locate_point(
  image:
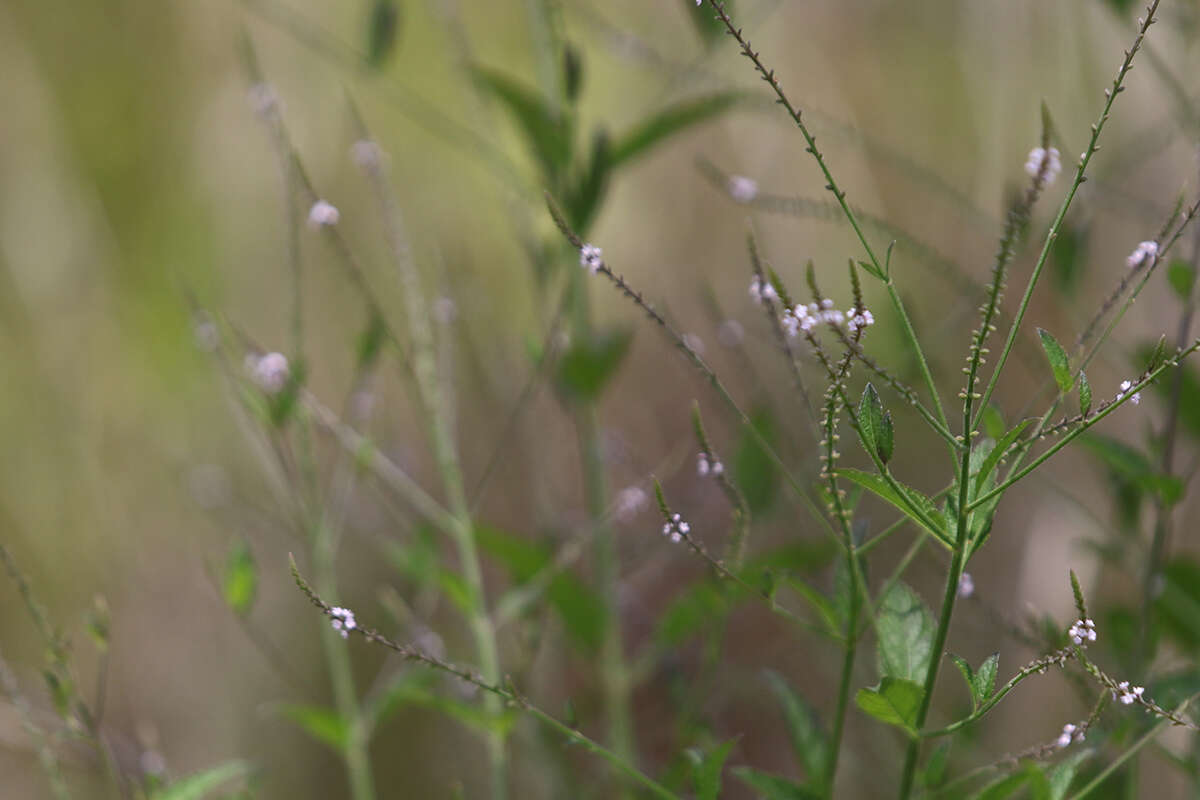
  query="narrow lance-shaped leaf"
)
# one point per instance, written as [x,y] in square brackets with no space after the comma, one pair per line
[912,503]
[808,740]
[774,787]
[666,123]
[202,784]
[1057,357]
[1085,394]
[870,420]
[707,772]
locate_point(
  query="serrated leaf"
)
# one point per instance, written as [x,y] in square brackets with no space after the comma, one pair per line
[201,784]
[707,774]
[1085,394]
[910,502]
[984,682]
[809,741]
[239,580]
[875,424]
[894,701]
[904,631]
[968,674]
[323,724]
[548,133]
[659,127]
[774,787]
[590,362]
[1182,278]
[1059,363]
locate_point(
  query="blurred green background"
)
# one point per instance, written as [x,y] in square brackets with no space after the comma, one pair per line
[134,174]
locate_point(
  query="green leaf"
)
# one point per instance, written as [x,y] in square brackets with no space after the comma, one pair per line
[692,612]
[774,787]
[1069,257]
[572,72]
[870,269]
[968,675]
[1178,605]
[1156,355]
[383,27]
[590,362]
[201,784]
[935,766]
[875,424]
[1063,773]
[239,581]
[1059,363]
[583,199]
[707,774]
[809,741]
[672,120]
[1085,394]
[1189,391]
[1008,785]
[418,689]
[1131,465]
[984,683]
[904,631]
[894,701]
[371,340]
[323,724]
[581,609]
[998,452]
[925,514]
[1182,278]
[993,422]
[549,133]
[753,470]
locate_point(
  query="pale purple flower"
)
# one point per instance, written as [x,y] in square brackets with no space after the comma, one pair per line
[342,620]
[742,189]
[323,213]
[1040,159]
[590,257]
[1145,252]
[270,372]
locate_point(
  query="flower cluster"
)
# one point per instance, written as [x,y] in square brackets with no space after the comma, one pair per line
[675,529]
[630,502]
[859,319]
[708,466]
[1125,387]
[805,318]
[322,214]
[270,372]
[1084,630]
[1144,253]
[966,585]
[1070,733]
[761,290]
[342,620]
[1128,694]
[1041,158]
[590,257]
[742,189]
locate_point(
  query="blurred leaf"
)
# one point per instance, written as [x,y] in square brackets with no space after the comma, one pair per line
[239,582]
[1085,394]
[1178,605]
[583,199]
[419,561]
[383,28]
[904,630]
[1131,465]
[1156,355]
[809,741]
[282,404]
[707,773]
[1031,775]
[878,486]
[1062,774]
[894,701]
[657,128]
[1059,363]
[875,424]
[935,766]
[1182,278]
[1069,257]
[803,556]
[831,616]
[691,612]
[581,610]
[419,689]
[370,341]
[997,454]
[1120,7]
[708,25]
[1189,391]
[753,469]
[572,72]
[550,134]
[980,684]
[773,787]
[590,362]
[199,785]
[98,622]
[323,724]
[993,422]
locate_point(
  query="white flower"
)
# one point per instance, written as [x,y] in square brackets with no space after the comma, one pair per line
[631,501]
[342,620]
[742,189]
[859,319]
[1125,387]
[675,528]
[590,257]
[1145,252]
[1068,735]
[1084,630]
[270,372]
[966,585]
[708,466]
[1044,159]
[1127,694]
[761,290]
[323,213]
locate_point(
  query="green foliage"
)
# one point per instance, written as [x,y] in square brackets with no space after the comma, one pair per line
[662,125]
[239,579]
[548,133]
[1030,776]
[904,629]
[582,612]
[774,787]
[707,25]
[753,469]
[1188,379]
[1181,277]
[980,684]
[1070,257]
[876,424]
[383,29]
[1178,605]
[809,741]
[894,701]
[916,506]
[1133,466]
[1059,363]
[1085,394]
[591,362]
[419,690]
[323,724]
[203,784]
[706,770]
[934,771]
